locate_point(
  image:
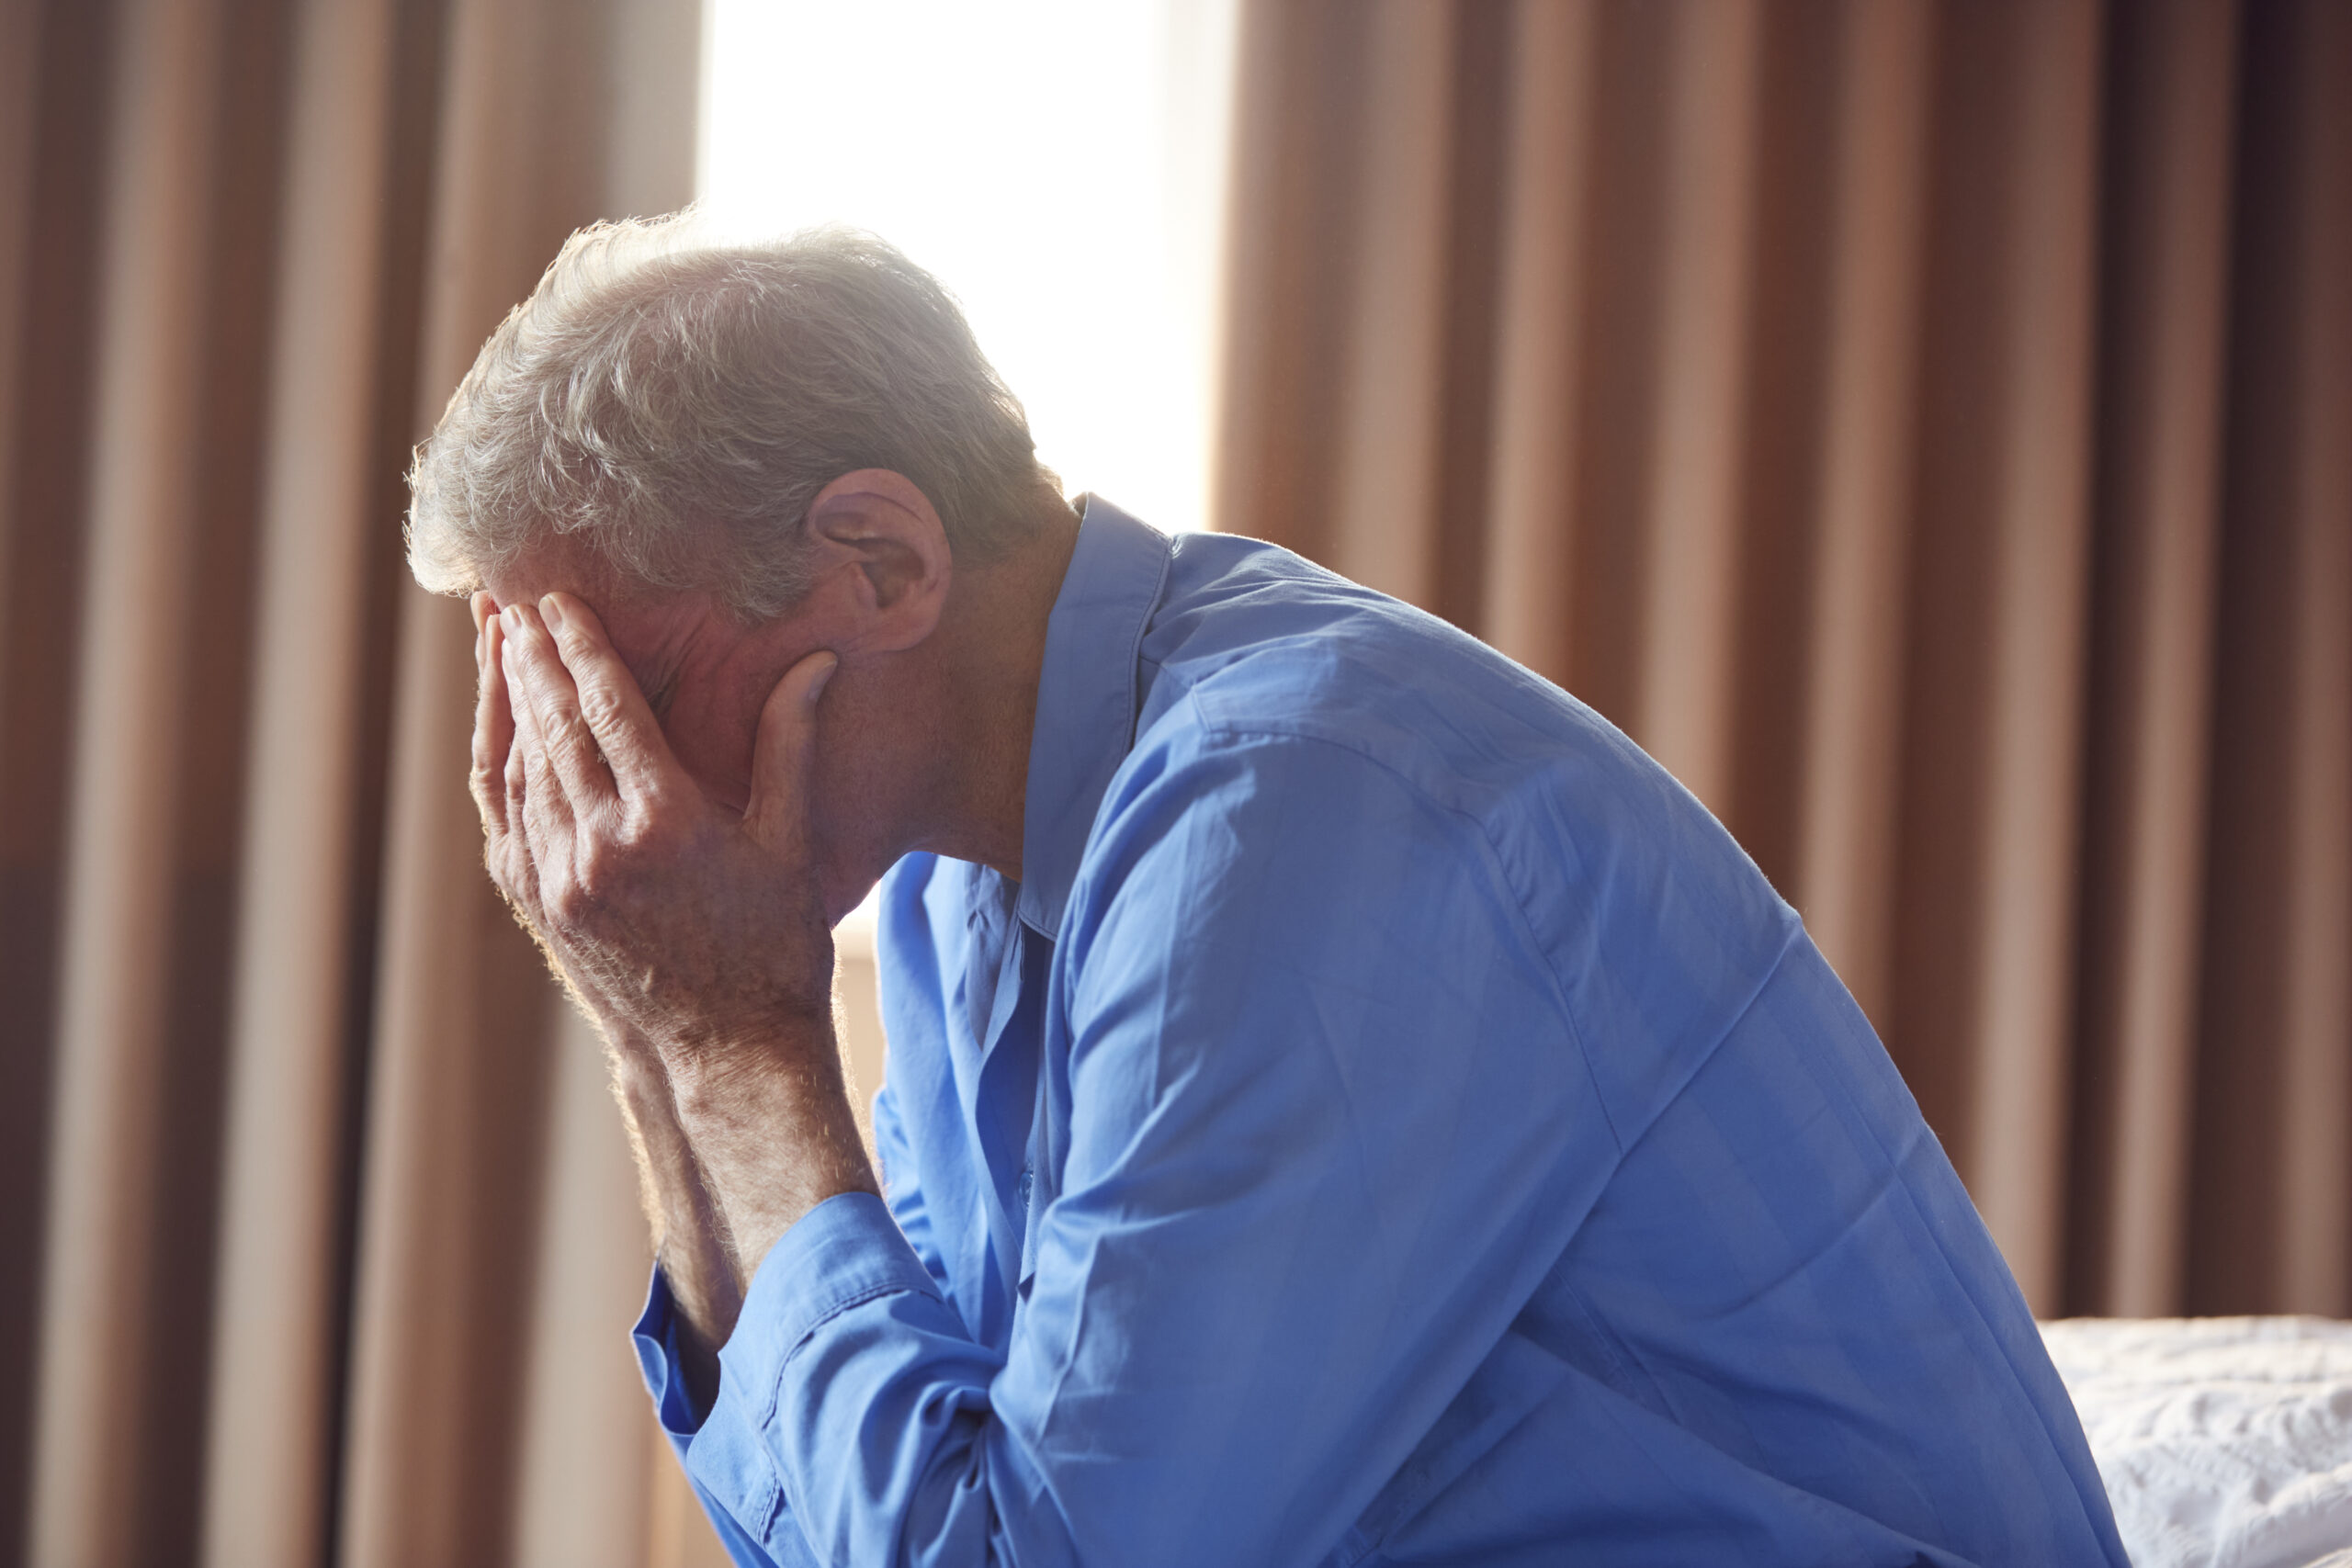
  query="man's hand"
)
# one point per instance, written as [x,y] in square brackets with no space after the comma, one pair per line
[703,930]
[694,935]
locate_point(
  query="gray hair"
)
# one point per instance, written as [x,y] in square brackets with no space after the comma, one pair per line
[672,404]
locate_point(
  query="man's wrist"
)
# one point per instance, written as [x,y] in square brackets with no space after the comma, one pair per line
[691,1050]
[773,1131]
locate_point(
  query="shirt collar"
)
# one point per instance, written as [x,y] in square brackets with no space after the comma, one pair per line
[1086,700]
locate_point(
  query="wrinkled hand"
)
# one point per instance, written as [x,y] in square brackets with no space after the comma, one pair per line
[701,930]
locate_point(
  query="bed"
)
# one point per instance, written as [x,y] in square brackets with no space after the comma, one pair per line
[2225,1442]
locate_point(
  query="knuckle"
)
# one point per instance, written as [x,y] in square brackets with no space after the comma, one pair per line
[514,888]
[604,861]
[600,704]
[512,880]
[571,737]
[568,900]
[656,808]
[649,830]
[595,868]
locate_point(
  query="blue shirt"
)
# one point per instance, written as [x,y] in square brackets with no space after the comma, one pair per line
[1390,1120]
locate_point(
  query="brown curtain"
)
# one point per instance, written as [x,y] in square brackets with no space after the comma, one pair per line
[320,1238]
[1927,428]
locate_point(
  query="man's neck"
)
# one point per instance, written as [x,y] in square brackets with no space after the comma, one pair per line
[996,656]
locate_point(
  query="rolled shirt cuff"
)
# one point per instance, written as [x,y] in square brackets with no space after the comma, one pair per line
[655,1337]
[843,1252]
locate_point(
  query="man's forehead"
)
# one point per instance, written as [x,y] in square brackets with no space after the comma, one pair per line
[648,633]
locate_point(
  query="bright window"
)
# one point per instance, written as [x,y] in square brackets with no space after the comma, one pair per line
[1059,165]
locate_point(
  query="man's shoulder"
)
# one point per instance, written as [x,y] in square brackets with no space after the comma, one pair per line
[1258,653]
[1253,645]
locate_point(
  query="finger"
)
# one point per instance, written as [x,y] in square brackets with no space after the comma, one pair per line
[517,716]
[784,756]
[510,847]
[541,794]
[566,744]
[610,700]
[494,726]
[540,815]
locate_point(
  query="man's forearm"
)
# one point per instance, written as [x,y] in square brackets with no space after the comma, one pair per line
[689,1238]
[772,1131]
[730,1152]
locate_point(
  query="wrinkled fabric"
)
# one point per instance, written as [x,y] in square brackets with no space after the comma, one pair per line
[1389,1121]
[2225,1442]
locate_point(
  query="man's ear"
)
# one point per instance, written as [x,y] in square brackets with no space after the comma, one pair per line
[882,559]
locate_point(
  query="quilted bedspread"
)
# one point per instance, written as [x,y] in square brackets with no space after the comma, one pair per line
[2225,1442]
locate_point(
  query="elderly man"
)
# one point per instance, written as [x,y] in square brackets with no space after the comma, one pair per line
[1345,1105]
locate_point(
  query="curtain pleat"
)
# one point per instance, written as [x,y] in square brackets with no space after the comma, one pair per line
[274,1324]
[2003,504]
[126,865]
[580,1494]
[2273,1006]
[2172,82]
[57,186]
[19,103]
[1848,618]
[1683,658]
[321,1235]
[2319,917]
[1921,424]
[1395,325]
[1533,463]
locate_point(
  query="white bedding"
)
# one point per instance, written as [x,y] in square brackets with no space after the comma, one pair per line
[2225,1442]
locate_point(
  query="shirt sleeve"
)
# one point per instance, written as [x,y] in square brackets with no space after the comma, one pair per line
[1300,1006]
[730,1476]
